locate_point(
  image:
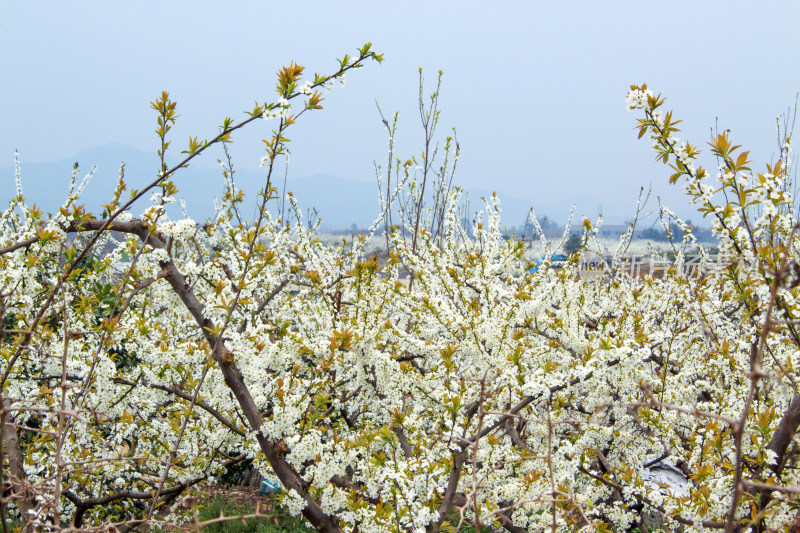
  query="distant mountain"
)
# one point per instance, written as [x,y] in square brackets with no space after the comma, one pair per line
[339,202]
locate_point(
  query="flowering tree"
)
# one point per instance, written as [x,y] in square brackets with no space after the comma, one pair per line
[103,389]
[484,390]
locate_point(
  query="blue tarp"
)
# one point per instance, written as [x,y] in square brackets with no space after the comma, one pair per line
[554,258]
[269,486]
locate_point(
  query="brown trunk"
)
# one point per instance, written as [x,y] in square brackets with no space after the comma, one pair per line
[16,460]
[779,444]
[785,433]
[235,381]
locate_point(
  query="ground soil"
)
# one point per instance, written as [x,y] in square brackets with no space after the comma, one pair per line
[239,495]
[236,496]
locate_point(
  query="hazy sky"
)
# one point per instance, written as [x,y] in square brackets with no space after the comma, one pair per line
[534,89]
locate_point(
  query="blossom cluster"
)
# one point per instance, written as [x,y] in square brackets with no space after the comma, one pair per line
[280,109]
[637,97]
[180,229]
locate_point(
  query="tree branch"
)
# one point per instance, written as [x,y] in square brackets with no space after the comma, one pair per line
[17,246]
[200,403]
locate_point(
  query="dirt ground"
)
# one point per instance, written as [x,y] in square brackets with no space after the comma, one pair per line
[237,494]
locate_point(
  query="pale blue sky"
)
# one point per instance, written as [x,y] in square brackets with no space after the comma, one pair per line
[535,89]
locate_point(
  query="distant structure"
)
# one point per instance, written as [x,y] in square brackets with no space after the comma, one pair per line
[608,231]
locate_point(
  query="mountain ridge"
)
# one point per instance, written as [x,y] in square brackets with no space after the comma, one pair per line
[340,202]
